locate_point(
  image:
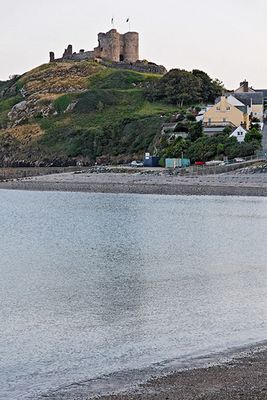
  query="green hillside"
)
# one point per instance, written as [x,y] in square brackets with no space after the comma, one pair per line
[74,110]
[61,113]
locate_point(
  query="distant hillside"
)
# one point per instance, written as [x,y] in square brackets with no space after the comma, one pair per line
[61,112]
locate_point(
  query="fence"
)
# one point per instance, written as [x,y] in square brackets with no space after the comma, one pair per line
[228,166]
[16,173]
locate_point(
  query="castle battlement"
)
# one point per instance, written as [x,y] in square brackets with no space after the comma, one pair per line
[112,46]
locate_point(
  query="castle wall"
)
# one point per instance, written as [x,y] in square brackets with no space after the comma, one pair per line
[84,55]
[139,66]
[112,46]
[131,47]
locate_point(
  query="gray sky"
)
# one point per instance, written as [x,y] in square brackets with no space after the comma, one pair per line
[226,39]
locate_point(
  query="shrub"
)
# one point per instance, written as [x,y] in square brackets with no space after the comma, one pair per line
[90,101]
[62,103]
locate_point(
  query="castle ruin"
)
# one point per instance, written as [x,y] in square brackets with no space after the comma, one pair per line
[119,51]
[112,46]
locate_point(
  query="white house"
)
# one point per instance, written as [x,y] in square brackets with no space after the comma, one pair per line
[239,133]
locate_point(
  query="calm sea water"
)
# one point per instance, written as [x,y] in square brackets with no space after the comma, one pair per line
[94,284]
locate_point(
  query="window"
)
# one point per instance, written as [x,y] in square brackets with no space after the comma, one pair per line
[228,108]
[218,108]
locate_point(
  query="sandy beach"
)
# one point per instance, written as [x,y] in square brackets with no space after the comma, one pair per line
[236,376]
[238,183]
[241,378]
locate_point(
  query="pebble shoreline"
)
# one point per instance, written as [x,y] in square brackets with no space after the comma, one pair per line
[242,378]
[216,185]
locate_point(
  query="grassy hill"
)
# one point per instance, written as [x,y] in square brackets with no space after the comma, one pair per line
[63,111]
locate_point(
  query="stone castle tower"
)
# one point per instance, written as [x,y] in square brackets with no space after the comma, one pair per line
[118,48]
[112,46]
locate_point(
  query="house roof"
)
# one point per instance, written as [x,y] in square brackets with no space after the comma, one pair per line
[264,91]
[239,129]
[214,129]
[234,101]
[247,98]
[171,125]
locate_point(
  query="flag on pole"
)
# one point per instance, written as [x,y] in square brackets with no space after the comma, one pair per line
[129,22]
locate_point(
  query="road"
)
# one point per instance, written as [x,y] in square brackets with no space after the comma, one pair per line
[264,138]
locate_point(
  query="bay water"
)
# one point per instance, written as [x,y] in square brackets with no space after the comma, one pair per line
[94,285]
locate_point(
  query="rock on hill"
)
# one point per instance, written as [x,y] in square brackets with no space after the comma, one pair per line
[59,113]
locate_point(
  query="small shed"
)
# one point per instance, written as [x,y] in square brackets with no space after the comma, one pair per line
[177,162]
[151,161]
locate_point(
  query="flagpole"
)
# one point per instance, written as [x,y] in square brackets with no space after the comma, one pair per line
[129,21]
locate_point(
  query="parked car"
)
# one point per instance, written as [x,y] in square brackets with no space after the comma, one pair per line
[137,163]
[239,159]
[214,162]
[199,163]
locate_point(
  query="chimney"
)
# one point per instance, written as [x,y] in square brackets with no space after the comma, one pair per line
[244,86]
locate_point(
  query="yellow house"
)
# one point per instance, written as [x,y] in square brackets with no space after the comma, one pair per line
[224,113]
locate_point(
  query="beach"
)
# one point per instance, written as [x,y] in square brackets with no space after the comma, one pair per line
[237,183]
[241,378]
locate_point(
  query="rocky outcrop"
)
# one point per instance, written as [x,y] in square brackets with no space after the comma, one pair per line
[25,110]
[9,88]
[71,106]
[59,79]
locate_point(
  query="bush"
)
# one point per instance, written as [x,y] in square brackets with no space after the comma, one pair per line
[91,100]
[253,135]
[181,87]
[120,79]
[62,103]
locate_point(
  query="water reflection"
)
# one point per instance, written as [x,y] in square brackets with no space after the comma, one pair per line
[92,284]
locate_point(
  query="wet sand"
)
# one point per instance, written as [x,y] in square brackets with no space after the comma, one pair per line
[236,376]
[228,184]
[242,378]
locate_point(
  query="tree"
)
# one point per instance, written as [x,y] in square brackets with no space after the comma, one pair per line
[181,88]
[253,135]
[227,130]
[177,87]
[210,89]
[195,131]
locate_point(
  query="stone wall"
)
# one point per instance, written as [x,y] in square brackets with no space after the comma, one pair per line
[130,47]
[109,46]
[139,66]
[118,48]
[112,46]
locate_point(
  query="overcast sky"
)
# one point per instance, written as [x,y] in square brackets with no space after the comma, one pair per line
[226,39]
